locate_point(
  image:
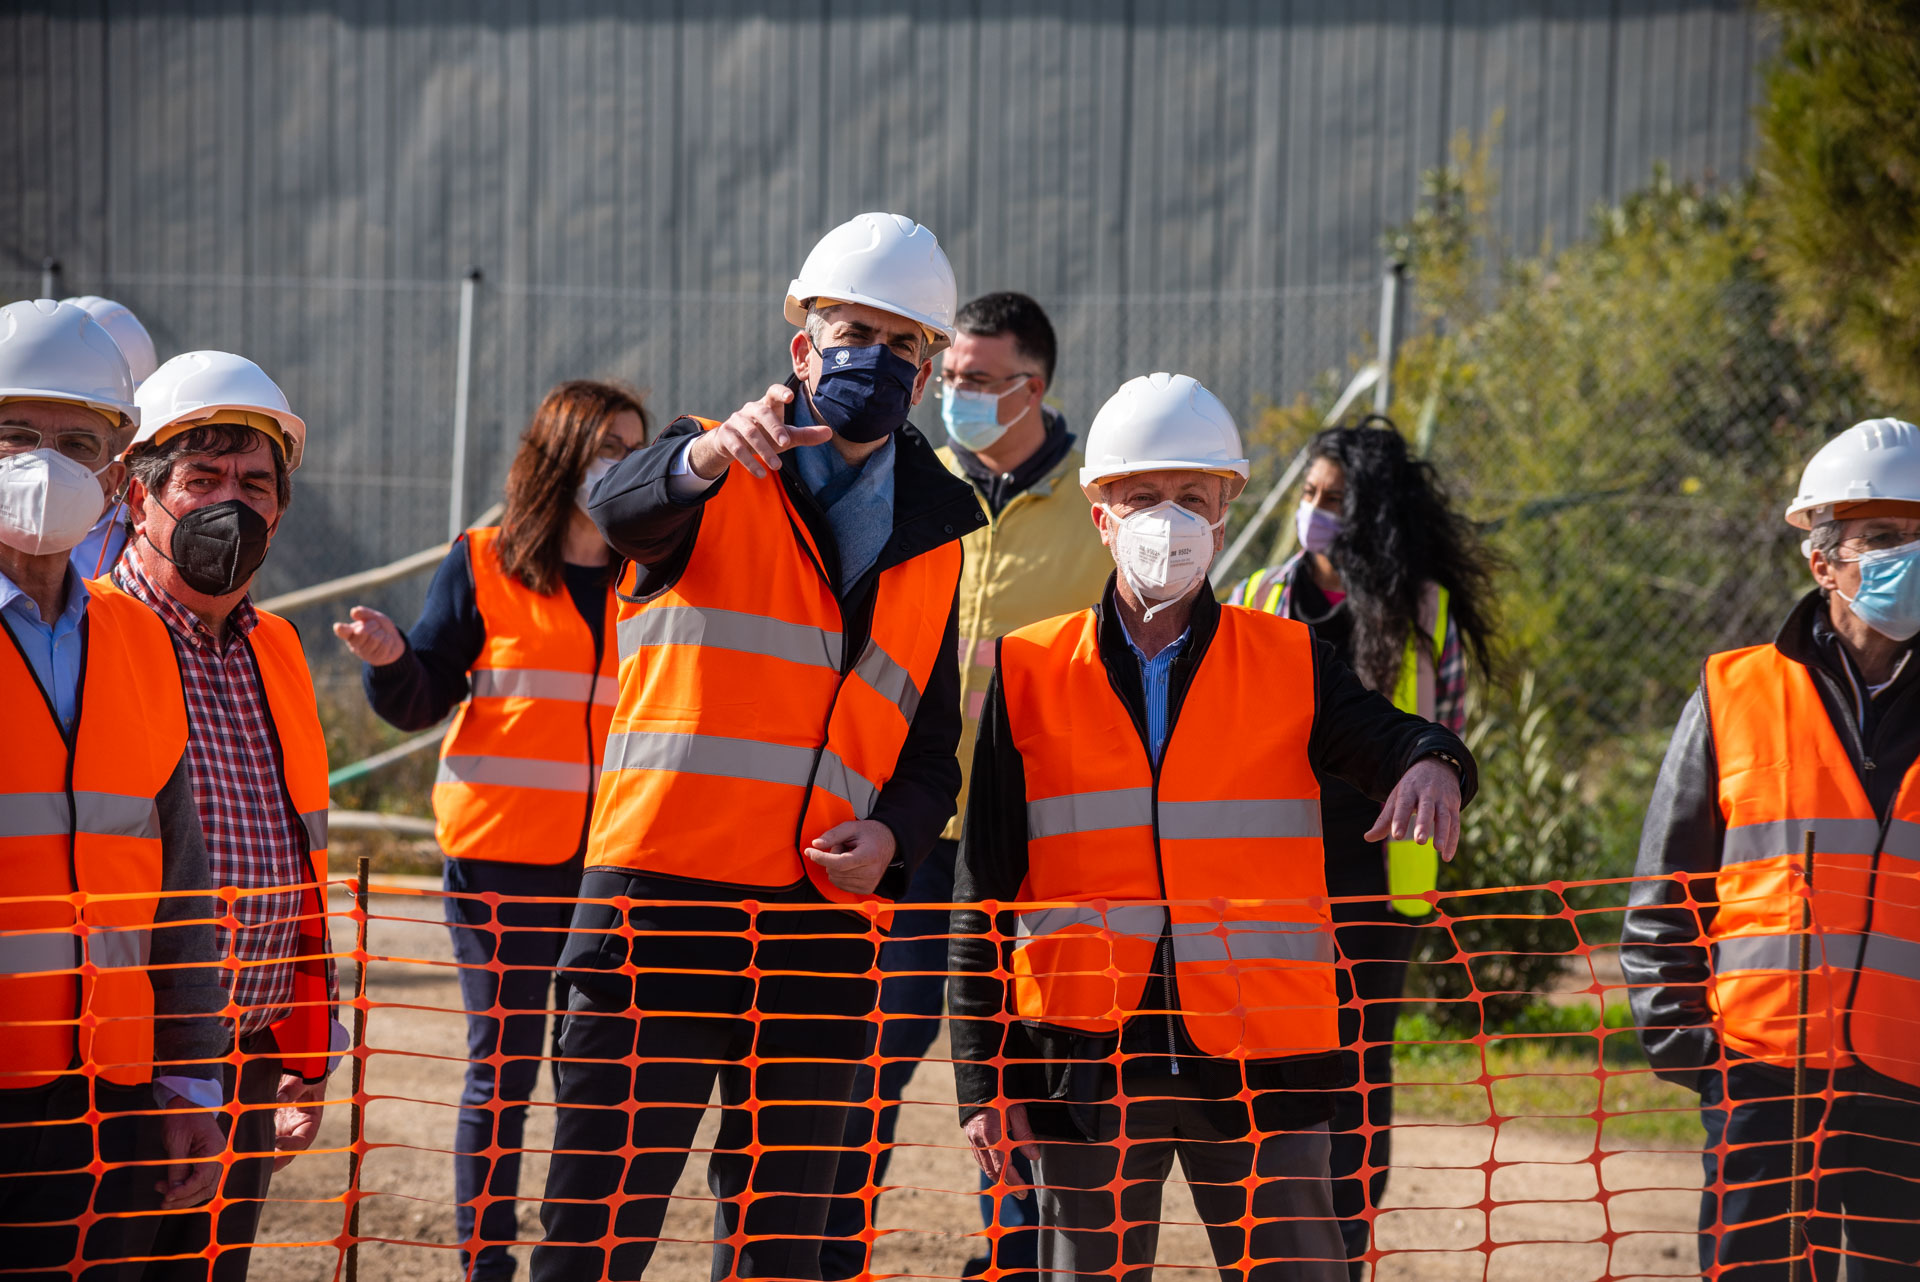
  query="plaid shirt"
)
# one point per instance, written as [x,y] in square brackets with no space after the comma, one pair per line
[254,838]
[1272,590]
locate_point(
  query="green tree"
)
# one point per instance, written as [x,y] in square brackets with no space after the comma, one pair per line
[1840,181]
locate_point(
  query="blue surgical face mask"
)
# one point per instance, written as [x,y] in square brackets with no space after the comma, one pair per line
[1889,597]
[863,393]
[972,417]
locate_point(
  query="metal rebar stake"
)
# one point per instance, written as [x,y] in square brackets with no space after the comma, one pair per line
[359,1071]
[1796,1228]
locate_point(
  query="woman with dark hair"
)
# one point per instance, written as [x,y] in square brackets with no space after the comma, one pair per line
[1400,585]
[518,632]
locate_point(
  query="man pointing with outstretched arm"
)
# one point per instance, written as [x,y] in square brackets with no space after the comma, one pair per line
[785,735]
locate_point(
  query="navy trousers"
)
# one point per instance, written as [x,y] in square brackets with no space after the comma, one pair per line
[912,998]
[507,961]
[1862,1189]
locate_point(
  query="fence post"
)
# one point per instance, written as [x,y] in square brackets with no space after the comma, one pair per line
[356,1113]
[462,387]
[1389,332]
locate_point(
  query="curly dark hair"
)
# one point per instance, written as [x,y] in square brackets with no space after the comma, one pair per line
[1399,532]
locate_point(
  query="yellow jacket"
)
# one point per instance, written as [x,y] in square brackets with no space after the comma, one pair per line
[1039,557]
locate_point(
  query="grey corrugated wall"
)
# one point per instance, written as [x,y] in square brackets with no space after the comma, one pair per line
[1197,185]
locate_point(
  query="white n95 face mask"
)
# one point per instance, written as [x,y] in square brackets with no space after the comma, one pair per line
[595,470]
[48,502]
[1162,551]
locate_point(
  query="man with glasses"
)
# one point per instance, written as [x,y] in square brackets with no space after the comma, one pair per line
[1772,946]
[1037,556]
[107,987]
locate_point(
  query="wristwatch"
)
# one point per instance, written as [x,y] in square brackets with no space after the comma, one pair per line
[1459,770]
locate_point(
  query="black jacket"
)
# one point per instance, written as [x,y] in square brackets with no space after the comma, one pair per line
[1357,736]
[1663,953]
[643,522]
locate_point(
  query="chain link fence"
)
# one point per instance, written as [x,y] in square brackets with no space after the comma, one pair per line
[1628,454]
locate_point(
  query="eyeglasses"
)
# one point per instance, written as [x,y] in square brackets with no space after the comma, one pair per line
[612,447]
[1884,541]
[976,382]
[89,449]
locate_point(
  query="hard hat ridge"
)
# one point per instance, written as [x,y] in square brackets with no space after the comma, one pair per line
[880,260]
[1163,422]
[1874,461]
[56,352]
[194,387]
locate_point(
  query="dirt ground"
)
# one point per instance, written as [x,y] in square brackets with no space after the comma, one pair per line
[1469,1202]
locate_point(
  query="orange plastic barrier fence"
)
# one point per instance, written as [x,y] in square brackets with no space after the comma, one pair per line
[1541,1146]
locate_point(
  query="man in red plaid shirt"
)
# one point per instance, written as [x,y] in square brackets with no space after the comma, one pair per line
[211,473]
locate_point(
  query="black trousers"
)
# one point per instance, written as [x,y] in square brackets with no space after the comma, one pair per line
[1862,1189]
[771,1005]
[46,1146]
[248,1122]
[1378,942]
[507,958]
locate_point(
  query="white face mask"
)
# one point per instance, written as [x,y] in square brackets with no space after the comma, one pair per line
[1162,551]
[48,502]
[595,470]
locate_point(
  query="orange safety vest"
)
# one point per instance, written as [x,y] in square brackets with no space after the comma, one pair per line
[302,1037]
[1230,820]
[743,729]
[517,769]
[1783,771]
[80,842]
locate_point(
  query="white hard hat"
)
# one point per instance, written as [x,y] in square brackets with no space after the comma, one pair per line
[886,261]
[128,333]
[1877,461]
[56,352]
[1162,422]
[199,387]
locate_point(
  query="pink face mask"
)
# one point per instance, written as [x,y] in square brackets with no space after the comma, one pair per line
[1317,528]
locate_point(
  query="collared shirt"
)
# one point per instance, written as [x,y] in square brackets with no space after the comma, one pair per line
[1155,675]
[54,650]
[94,556]
[254,837]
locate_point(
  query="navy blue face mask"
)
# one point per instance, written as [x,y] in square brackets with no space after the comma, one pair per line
[864,393]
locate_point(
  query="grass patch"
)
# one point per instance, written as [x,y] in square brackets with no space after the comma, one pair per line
[1552,1068]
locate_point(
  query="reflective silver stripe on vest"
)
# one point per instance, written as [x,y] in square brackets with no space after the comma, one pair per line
[315,822]
[1301,941]
[705,754]
[1089,812]
[108,814]
[895,684]
[1189,820]
[1903,840]
[536,683]
[33,814]
[1141,921]
[101,814]
[730,630]
[125,949]
[1888,954]
[47,951]
[838,778]
[516,772]
[36,953]
[1789,837]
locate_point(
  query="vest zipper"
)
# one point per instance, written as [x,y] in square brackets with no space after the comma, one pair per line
[1163,950]
[846,667]
[1866,765]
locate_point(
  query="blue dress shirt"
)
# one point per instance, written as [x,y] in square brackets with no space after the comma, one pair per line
[53,649]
